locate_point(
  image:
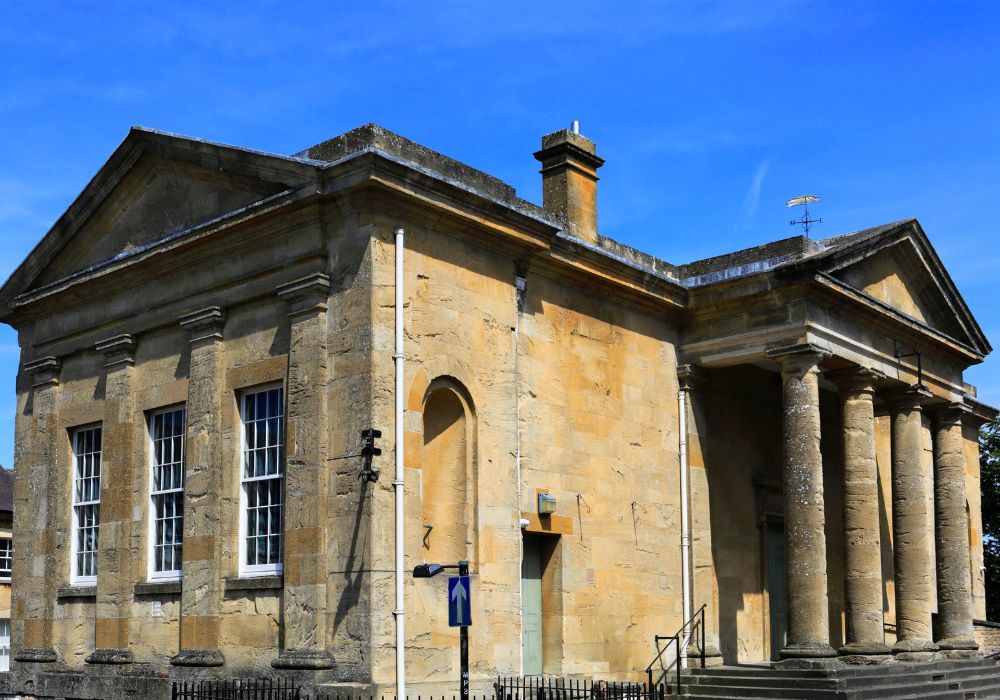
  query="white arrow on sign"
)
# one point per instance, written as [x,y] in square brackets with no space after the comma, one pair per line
[458,597]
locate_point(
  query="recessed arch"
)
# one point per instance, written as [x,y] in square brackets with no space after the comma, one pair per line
[448,473]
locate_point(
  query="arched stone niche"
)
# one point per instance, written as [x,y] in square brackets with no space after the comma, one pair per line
[445,454]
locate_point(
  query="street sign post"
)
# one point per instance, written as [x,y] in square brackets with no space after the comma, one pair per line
[459,610]
[460,615]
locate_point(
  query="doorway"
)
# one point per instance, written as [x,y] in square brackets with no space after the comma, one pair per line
[531,606]
[774,567]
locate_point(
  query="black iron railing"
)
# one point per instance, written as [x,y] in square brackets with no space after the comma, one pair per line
[693,629]
[239,689]
[546,688]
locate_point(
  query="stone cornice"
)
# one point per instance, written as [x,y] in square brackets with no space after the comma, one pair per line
[979,413]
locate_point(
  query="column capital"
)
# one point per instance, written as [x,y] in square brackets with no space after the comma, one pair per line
[908,397]
[306,294]
[949,414]
[118,350]
[205,324]
[799,358]
[855,379]
[691,377]
[44,371]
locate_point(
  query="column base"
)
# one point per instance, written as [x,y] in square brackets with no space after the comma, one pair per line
[198,657]
[808,650]
[36,655]
[864,649]
[910,646]
[868,659]
[311,659]
[957,643]
[110,656]
[713,657]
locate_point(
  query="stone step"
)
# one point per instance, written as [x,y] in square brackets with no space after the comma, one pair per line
[943,680]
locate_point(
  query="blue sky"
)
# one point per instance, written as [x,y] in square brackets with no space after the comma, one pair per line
[710,114]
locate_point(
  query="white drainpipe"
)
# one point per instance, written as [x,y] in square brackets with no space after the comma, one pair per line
[397,483]
[685,530]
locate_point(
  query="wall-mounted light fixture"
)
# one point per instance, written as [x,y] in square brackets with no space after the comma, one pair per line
[546,504]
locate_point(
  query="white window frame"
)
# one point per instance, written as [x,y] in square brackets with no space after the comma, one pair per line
[275,568]
[4,644]
[76,579]
[8,555]
[176,573]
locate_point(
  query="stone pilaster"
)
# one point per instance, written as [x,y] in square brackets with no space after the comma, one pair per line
[951,534]
[202,588]
[39,477]
[910,526]
[862,546]
[118,458]
[692,380]
[805,539]
[303,604]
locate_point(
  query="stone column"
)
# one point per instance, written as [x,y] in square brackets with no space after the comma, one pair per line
[862,546]
[202,585]
[114,552]
[951,534]
[39,479]
[910,527]
[303,604]
[805,539]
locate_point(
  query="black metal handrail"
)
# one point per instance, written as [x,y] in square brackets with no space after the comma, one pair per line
[695,623]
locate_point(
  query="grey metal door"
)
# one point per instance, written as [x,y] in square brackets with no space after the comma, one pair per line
[531,607]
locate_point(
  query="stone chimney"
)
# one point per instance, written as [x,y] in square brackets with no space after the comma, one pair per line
[569,179]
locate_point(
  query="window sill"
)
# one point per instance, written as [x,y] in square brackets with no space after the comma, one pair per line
[255,583]
[77,592]
[157,587]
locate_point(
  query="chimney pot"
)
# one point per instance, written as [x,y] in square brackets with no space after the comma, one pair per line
[569,179]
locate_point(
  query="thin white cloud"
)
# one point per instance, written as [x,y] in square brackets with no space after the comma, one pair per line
[752,200]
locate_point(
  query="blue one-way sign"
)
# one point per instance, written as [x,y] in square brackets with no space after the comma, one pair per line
[459,607]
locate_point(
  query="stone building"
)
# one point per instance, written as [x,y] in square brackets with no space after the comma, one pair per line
[207,330]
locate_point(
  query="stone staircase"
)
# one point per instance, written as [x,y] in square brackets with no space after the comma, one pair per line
[941,680]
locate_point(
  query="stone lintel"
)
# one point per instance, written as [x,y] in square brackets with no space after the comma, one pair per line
[309,659]
[798,357]
[110,656]
[691,377]
[205,324]
[855,379]
[36,655]
[309,293]
[198,657]
[44,370]
[118,350]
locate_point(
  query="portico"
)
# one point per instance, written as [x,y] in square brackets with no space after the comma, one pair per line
[899,550]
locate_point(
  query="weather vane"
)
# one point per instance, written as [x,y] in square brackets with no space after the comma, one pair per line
[805,222]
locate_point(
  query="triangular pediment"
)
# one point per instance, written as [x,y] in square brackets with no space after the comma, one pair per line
[155,186]
[155,199]
[899,270]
